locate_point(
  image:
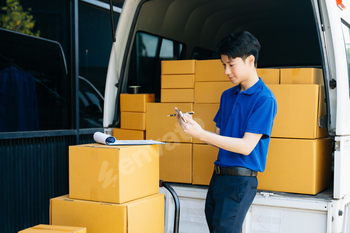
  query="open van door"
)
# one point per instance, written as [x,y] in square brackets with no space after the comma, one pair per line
[117,57]
[335,31]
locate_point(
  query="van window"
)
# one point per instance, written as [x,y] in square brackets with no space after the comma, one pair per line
[346,32]
[145,61]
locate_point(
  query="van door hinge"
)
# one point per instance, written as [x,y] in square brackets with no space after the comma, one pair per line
[332,84]
[322,122]
[337,146]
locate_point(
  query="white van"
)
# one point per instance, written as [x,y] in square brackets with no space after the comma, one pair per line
[298,33]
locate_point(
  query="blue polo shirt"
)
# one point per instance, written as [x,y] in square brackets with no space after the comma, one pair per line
[253,111]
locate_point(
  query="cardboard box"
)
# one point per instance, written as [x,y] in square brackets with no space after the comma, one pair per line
[129,134]
[135,102]
[163,128]
[297,166]
[210,71]
[177,81]
[204,157]
[178,67]
[210,92]
[269,76]
[43,228]
[302,76]
[299,108]
[142,215]
[204,115]
[177,95]
[113,173]
[175,162]
[133,120]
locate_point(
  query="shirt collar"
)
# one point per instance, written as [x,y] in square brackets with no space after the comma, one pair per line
[251,90]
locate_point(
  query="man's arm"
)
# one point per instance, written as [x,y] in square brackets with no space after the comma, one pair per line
[243,145]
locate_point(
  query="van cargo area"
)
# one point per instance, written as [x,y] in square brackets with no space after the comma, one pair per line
[167,47]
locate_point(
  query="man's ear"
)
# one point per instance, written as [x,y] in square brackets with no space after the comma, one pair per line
[251,60]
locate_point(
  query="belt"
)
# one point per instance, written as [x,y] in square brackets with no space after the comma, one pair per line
[234,171]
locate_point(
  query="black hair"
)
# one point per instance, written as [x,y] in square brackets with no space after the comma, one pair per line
[240,44]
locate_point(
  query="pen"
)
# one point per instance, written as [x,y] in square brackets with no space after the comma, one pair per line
[171,115]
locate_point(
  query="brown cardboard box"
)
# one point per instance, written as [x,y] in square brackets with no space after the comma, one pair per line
[204,157]
[210,92]
[43,228]
[297,166]
[178,67]
[299,108]
[142,215]
[204,115]
[302,76]
[163,128]
[210,71]
[135,102]
[177,95]
[175,162]
[113,173]
[129,134]
[177,81]
[133,120]
[269,76]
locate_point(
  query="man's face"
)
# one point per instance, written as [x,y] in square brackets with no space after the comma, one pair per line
[236,69]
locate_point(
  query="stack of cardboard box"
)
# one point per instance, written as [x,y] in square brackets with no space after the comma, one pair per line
[299,157]
[300,153]
[184,159]
[112,189]
[133,109]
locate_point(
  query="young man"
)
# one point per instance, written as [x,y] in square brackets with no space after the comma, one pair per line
[243,128]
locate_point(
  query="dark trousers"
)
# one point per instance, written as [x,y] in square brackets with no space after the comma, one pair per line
[228,200]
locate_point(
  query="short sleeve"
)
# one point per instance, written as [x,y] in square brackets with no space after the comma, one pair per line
[261,119]
[217,118]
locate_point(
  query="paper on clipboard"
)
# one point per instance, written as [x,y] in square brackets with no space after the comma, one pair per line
[112,141]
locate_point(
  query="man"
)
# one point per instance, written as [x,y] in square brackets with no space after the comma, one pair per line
[243,128]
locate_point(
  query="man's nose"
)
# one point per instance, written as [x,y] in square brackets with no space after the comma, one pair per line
[227,70]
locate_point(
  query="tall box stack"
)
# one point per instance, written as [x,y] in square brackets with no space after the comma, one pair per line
[195,86]
[300,152]
[177,90]
[133,108]
[112,189]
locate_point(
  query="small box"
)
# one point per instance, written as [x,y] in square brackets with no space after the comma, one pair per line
[113,173]
[177,95]
[142,215]
[204,157]
[163,128]
[297,166]
[210,71]
[178,67]
[135,102]
[299,108]
[204,115]
[175,162]
[43,228]
[177,81]
[129,134]
[302,76]
[269,76]
[133,120]
[210,92]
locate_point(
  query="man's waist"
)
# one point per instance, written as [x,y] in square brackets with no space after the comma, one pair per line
[234,171]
